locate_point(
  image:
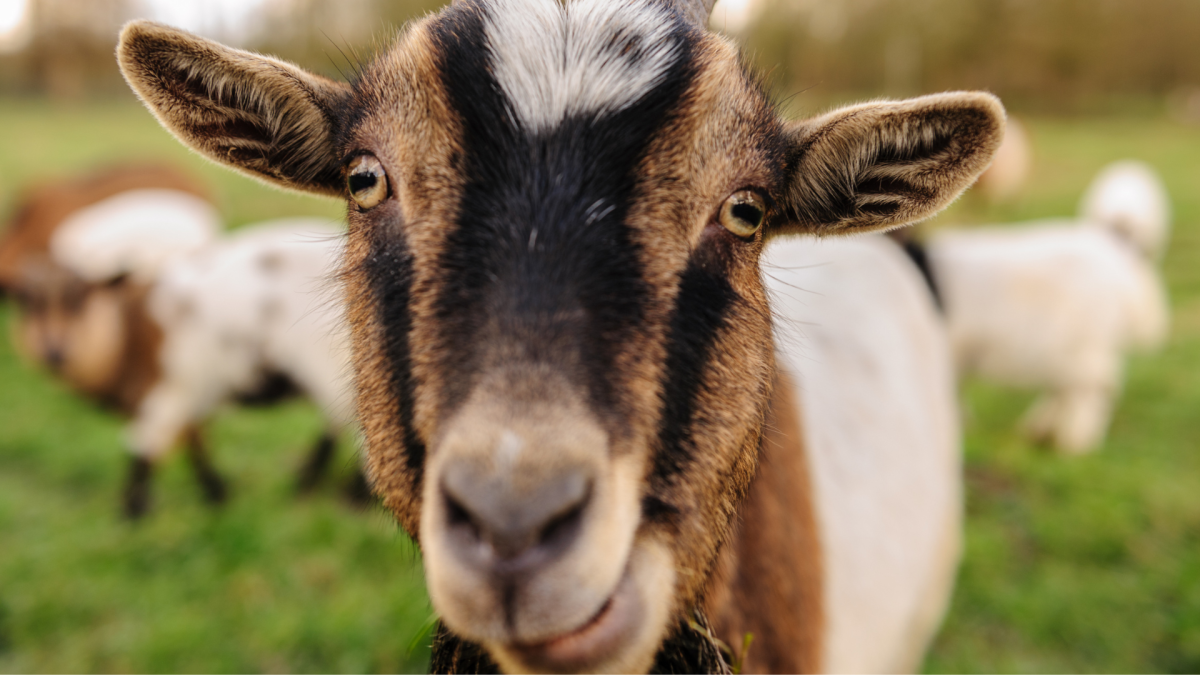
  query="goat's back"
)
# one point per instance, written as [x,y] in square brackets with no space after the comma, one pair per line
[857,329]
[262,299]
[44,206]
[1047,303]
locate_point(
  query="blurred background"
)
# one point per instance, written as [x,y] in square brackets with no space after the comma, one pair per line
[1071,564]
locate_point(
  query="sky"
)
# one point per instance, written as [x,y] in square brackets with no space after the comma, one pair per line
[225,17]
[201,16]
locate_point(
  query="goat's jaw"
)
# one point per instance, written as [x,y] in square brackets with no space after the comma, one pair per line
[604,607]
[622,637]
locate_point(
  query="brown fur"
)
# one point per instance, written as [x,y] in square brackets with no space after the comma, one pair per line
[898,161]
[258,115]
[407,99]
[114,362]
[869,167]
[768,583]
[139,369]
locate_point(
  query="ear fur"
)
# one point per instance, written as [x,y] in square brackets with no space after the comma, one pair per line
[883,164]
[259,115]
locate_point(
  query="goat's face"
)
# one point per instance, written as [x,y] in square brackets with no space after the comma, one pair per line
[74,328]
[563,345]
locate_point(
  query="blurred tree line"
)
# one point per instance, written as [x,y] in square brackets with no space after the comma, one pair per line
[68,53]
[69,48]
[1045,55]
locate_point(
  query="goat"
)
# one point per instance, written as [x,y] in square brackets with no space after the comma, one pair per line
[1053,305]
[83,300]
[567,380]
[42,208]
[234,321]
[92,332]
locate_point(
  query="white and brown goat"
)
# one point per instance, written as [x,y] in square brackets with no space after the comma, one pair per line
[100,266]
[1055,305]
[567,376]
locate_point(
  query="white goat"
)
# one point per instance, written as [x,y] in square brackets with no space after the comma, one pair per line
[238,312]
[1053,305]
[1009,171]
[239,316]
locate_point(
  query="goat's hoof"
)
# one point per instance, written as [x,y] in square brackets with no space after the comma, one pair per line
[358,491]
[137,489]
[216,491]
[306,483]
[136,506]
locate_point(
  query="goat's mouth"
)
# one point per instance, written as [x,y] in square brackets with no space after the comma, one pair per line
[594,643]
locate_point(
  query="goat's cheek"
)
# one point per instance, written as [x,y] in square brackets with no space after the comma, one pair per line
[653,567]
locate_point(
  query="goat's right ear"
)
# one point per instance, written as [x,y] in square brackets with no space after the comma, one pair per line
[259,115]
[879,165]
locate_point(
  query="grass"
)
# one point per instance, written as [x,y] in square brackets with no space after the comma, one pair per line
[268,583]
[1090,564]
[1072,564]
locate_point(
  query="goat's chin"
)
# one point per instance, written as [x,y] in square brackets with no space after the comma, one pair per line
[623,636]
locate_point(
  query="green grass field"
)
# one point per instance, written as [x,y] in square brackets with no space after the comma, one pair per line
[1081,564]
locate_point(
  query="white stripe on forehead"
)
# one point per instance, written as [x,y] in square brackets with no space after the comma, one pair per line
[589,56]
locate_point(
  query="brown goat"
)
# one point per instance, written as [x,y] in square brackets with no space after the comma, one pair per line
[99,335]
[564,345]
[43,207]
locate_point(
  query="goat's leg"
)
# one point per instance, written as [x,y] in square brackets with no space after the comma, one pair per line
[317,463]
[215,489]
[1038,423]
[1083,420]
[137,487]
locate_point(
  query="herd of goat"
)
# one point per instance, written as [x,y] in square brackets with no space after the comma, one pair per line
[128,288]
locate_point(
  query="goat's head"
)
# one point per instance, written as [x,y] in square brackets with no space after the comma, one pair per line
[74,328]
[563,345]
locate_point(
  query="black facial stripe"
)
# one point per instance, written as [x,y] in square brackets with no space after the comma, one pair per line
[540,261]
[701,309]
[389,269]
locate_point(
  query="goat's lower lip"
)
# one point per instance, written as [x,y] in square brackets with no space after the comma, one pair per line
[591,643]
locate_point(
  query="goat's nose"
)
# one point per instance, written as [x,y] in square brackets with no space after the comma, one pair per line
[55,358]
[512,526]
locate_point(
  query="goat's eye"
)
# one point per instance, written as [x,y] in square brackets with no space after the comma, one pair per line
[743,213]
[366,181]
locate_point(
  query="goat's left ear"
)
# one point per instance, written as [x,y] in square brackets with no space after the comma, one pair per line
[259,115]
[880,165]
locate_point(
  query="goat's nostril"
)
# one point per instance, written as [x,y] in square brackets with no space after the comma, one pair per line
[458,516]
[565,525]
[54,359]
[512,520]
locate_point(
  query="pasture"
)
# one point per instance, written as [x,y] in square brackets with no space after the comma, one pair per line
[1072,564]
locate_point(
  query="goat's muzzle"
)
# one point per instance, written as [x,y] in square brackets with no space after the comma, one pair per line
[529,529]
